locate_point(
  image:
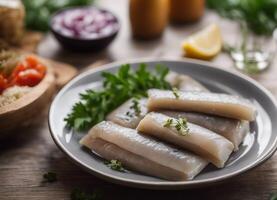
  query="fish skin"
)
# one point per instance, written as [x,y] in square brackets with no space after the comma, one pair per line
[166,155]
[199,140]
[210,103]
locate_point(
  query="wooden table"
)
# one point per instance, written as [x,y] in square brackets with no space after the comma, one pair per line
[25,157]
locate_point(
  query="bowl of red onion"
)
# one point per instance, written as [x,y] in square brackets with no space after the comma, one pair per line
[84,28]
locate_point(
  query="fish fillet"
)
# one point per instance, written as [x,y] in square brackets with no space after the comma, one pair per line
[232,129]
[178,164]
[204,102]
[184,82]
[133,161]
[199,140]
[120,116]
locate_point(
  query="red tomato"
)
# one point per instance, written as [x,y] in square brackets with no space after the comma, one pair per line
[3,83]
[41,68]
[19,68]
[32,61]
[29,77]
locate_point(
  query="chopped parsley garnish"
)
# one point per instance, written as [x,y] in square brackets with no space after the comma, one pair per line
[78,194]
[50,177]
[117,88]
[134,108]
[168,122]
[179,124]
[115,165]
[176,92]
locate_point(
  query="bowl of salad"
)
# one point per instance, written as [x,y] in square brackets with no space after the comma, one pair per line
[26,85]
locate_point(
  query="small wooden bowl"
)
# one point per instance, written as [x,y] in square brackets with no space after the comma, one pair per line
[23,110]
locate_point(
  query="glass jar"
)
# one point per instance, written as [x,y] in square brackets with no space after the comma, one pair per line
[148,18]
[182,11]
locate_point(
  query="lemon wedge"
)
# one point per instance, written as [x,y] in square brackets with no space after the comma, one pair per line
[204,44]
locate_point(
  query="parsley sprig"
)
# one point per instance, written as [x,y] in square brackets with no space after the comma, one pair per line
[115,165]
[135,109]
[176,92]
[117,88]
[179,124]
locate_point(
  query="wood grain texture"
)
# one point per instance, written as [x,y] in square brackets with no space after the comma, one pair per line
[30,152]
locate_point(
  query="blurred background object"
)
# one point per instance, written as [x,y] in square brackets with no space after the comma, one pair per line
[259,15]
[204,44]
[148,18]
[85,28]
[12,32]
[11,21]
[184,11]
[254,49]
[38,12]
[251,53]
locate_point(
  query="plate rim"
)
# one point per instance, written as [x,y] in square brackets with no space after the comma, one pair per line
[169,185]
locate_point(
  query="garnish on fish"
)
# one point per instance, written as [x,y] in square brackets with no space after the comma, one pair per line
[200,141]
[142,153]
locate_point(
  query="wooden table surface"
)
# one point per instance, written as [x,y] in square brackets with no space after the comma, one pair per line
[25,157]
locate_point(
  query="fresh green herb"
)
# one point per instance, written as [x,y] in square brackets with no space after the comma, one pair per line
[182,126]
[179,124]
[117,88]
[38,12]
[78,194]
[273,196]
[260,15]
[115,165]
[134,108]
[168,122]
[50,177]
[176,92]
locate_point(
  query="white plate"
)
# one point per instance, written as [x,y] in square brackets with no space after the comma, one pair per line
[259,145]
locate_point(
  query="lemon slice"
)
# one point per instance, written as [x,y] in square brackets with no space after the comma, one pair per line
[204,44]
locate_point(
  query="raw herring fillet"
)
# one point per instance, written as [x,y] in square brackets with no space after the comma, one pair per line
[199,140]
[133,161]
[184,82]
[180,162]
[232,129]
[204,102]
[120,116]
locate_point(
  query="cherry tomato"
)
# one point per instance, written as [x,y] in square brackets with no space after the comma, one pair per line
[40,68]
[19,68]
[32,61]
[3,83]
[29,77]
[27,73]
